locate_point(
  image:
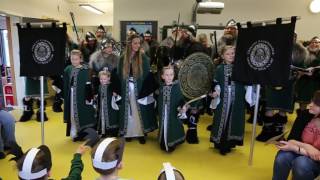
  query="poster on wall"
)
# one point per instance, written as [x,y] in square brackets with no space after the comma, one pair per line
[140,27]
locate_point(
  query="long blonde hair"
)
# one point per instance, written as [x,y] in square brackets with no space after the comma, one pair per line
[136,61]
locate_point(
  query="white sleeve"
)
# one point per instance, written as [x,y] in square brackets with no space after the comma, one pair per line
[215,101]
[251,95]
[146,100]
[114,99]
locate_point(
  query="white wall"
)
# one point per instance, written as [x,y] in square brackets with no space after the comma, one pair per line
[59,9]
[19,81]
[165,11]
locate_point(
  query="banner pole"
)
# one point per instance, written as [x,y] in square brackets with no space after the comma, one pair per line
[256,108]
[42,109]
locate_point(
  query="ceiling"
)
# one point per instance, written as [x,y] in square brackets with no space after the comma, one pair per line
[104,5]
[88,1]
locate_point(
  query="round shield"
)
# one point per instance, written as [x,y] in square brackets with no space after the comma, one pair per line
[196,75]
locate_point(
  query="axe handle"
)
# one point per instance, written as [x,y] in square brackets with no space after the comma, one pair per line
[74,25]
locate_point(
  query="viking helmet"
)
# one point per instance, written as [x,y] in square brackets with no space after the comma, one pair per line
[231,24]
[101,29]
[90,36]
[191,30]
[132,31]
[106,43]
[147,34]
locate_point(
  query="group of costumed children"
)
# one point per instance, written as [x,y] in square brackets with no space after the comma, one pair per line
[125,105]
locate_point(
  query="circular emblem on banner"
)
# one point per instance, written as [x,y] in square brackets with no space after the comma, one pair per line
[42,51]
[260,55]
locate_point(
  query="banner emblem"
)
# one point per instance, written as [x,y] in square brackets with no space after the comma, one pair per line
[260,55]
[42,51]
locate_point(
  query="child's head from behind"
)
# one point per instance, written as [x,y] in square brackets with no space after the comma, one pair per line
[76,57]
[35,164]
[170,173]
[107,156]
[104,77]
[314,106]
[228,54]
[167,74]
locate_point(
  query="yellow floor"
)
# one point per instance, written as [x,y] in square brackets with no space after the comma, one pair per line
[143,162]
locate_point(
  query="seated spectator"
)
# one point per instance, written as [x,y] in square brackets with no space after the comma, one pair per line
[7,129]
[36,163]
[106,160]
[170,173]
[302,157]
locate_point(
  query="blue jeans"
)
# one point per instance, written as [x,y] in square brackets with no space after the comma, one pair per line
[7,125]
[303,167]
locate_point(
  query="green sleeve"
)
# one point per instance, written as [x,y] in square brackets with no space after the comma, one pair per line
[76,168]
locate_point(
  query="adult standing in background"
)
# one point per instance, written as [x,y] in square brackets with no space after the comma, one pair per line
[88,46]
[203,39]
[104,58]
[309,82]
[100,35]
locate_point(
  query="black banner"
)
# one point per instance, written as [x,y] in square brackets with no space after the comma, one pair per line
[263,54]
[42,51]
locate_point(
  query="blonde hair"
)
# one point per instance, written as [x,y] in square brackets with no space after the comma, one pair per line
[104,73]
[226,48]
[202,38]
[137,63]
[76,52]
[111,153]
[177,174]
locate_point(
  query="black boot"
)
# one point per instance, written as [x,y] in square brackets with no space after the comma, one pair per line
[280,124]
[56,107]
[303,118]
[209,127]
[28,110]
[260,117]
[45,117]
[224,150]
[192,136]
[192,133]
[2,155]
[142,140]
[267,129]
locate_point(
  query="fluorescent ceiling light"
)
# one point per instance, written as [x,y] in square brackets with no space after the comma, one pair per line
[91,8]
[315,6]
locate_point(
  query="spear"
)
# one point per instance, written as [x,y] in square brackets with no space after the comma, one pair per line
[74,25]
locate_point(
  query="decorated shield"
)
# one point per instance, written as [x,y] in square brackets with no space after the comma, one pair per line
[196,75]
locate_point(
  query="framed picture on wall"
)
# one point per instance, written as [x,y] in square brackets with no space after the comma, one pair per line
[140,27]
